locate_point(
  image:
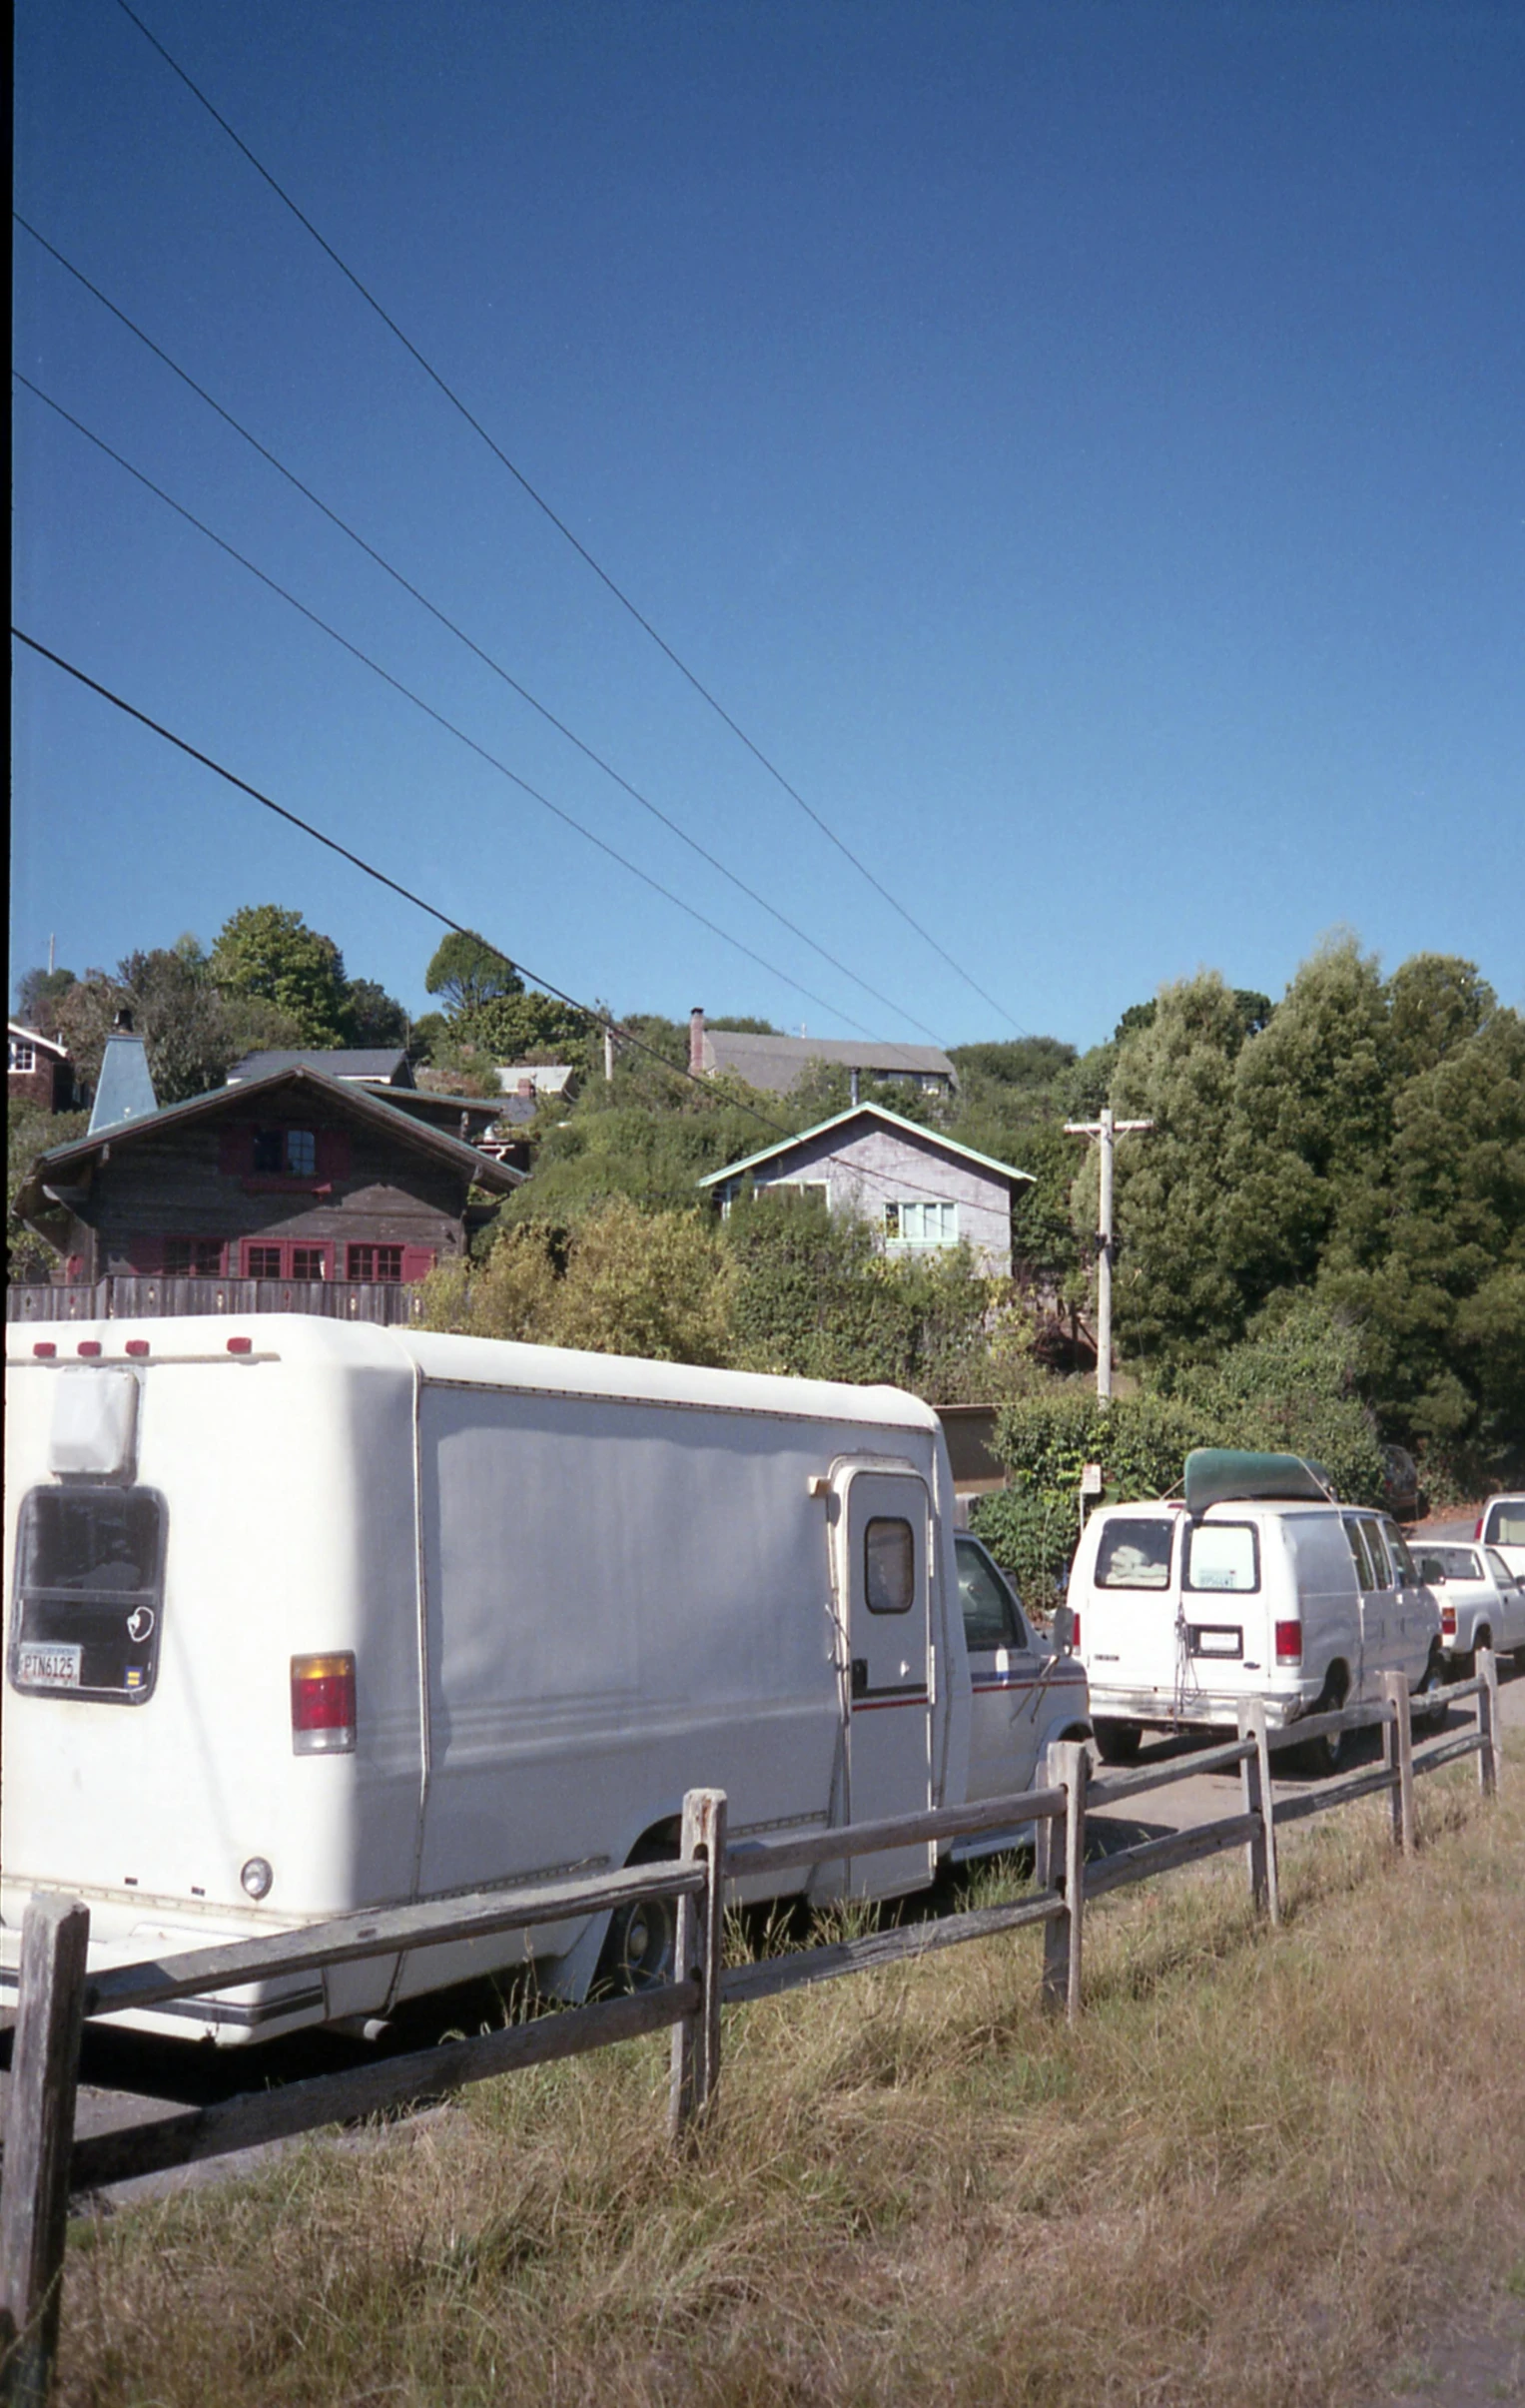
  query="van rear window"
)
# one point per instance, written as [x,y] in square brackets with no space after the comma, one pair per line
[1505,1523]
[89,1596]
[1223,1555]
[1136,1554]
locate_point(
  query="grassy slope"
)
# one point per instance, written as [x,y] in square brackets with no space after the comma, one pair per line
[1259,2168]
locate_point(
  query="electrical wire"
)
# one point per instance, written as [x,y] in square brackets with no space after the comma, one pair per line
[590,1012]
[417,700]
[471,645]
[562,526]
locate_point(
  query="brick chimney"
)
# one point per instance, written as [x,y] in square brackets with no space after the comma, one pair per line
[696,1041]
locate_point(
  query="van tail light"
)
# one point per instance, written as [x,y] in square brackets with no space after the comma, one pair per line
[1289,1642]
[1448,1622]
[1478,1531]
[323,1705]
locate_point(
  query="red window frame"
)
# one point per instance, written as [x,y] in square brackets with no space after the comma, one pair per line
[375,1266]
[257,1265]
[318,1265]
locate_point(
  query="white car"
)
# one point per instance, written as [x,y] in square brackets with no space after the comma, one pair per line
[1501,1524]
[1481,1601]
[1023,1694]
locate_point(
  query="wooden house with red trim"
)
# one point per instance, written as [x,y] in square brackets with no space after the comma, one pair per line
[295,1177]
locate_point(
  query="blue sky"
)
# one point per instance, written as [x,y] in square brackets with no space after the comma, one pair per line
[1081,445]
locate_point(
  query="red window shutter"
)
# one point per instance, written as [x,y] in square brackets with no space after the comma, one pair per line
[332,1154]
[418,1262]
[234,1154]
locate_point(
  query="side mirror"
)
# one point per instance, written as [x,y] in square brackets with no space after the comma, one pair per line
[1061,1633]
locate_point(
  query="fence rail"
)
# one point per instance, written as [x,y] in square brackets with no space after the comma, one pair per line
[124,1298]
[44,2163]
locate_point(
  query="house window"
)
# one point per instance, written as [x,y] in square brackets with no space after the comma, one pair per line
[799,1191]
[310,1261]
[374,1262]
[261,1262]
[284,1153]
[193,1258]
[918,1223]
[23,1056]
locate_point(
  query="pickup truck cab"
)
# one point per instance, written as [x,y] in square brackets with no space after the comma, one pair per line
[1482,1603]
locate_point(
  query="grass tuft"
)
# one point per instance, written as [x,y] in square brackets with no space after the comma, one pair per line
[1264,2169]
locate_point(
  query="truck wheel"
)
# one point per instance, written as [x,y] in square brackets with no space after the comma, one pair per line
[641,1950]
[1117,1743]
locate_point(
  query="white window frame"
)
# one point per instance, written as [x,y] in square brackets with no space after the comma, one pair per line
[909,1222]
[23,1056]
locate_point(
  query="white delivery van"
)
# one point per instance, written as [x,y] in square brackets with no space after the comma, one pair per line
[1257,1585]
[304,1617]
[1023,1694]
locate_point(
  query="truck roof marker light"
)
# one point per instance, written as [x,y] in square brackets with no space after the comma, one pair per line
[137,1345]
[323,1705]
[241,1346]
[44,1349]
[89,1346]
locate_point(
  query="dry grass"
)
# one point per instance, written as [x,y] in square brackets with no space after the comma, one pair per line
[1260,2170]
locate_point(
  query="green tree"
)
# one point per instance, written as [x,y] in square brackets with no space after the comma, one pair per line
[467,972]
[38,995]
[373,1018]
[192,1032]
[621,1282]
[268,953]
[31,1130]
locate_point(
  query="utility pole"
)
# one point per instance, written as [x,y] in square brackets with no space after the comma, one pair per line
[1108,1129]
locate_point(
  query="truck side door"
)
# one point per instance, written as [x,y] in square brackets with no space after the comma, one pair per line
[881,1576]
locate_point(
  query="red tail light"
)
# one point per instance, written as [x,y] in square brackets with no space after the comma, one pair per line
[1448,1622]
[323,1705]
[1289,1642]
[1478,1531]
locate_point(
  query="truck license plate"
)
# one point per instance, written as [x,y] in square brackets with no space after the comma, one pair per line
[1219,1642]
[56,1667]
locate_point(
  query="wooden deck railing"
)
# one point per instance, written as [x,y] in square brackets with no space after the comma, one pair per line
[44,2163]
[126,1298]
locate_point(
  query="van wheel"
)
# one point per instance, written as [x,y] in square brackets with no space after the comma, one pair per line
[1430,1718]
[641,1950]
[1117,1743]
[1318,1759]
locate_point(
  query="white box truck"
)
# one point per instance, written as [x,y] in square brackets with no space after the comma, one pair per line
[1257,1584]
[304,1617]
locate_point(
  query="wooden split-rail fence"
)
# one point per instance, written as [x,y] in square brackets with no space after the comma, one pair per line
[45,2164]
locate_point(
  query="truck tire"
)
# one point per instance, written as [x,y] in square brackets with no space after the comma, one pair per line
[1117,1742]
[1320,1759]
[641,1950]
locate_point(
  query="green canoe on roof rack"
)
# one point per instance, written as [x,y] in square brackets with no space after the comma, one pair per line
[1218,1475]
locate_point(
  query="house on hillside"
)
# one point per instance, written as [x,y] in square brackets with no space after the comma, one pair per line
[39,1069]
[289,1175]
[916,1189]
[775,1064]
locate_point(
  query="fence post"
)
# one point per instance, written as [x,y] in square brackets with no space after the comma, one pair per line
[1067,1766]
[39,2139]
[1260,1851]
[701,1933]
[1490,1754]
[1398,1756]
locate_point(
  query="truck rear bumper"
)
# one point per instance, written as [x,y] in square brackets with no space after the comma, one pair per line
[1197,1709]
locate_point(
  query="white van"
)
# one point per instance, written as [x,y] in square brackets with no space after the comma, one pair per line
[1257,1585]
[304,1617]
[1501,1524]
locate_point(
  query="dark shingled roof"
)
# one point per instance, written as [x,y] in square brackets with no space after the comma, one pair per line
[384,1066]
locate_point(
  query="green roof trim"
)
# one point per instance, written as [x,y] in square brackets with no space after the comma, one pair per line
[866,1112]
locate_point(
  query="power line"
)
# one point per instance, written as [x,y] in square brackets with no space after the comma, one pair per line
[418,701]
[461,637]
[560,523]
[368,869]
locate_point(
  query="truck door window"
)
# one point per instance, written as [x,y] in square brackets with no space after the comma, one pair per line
[889,1565]
[988,1617]
[89,1594]
[1379,1563]
[1136,1554]
[1223,1555]
[1397,1548]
